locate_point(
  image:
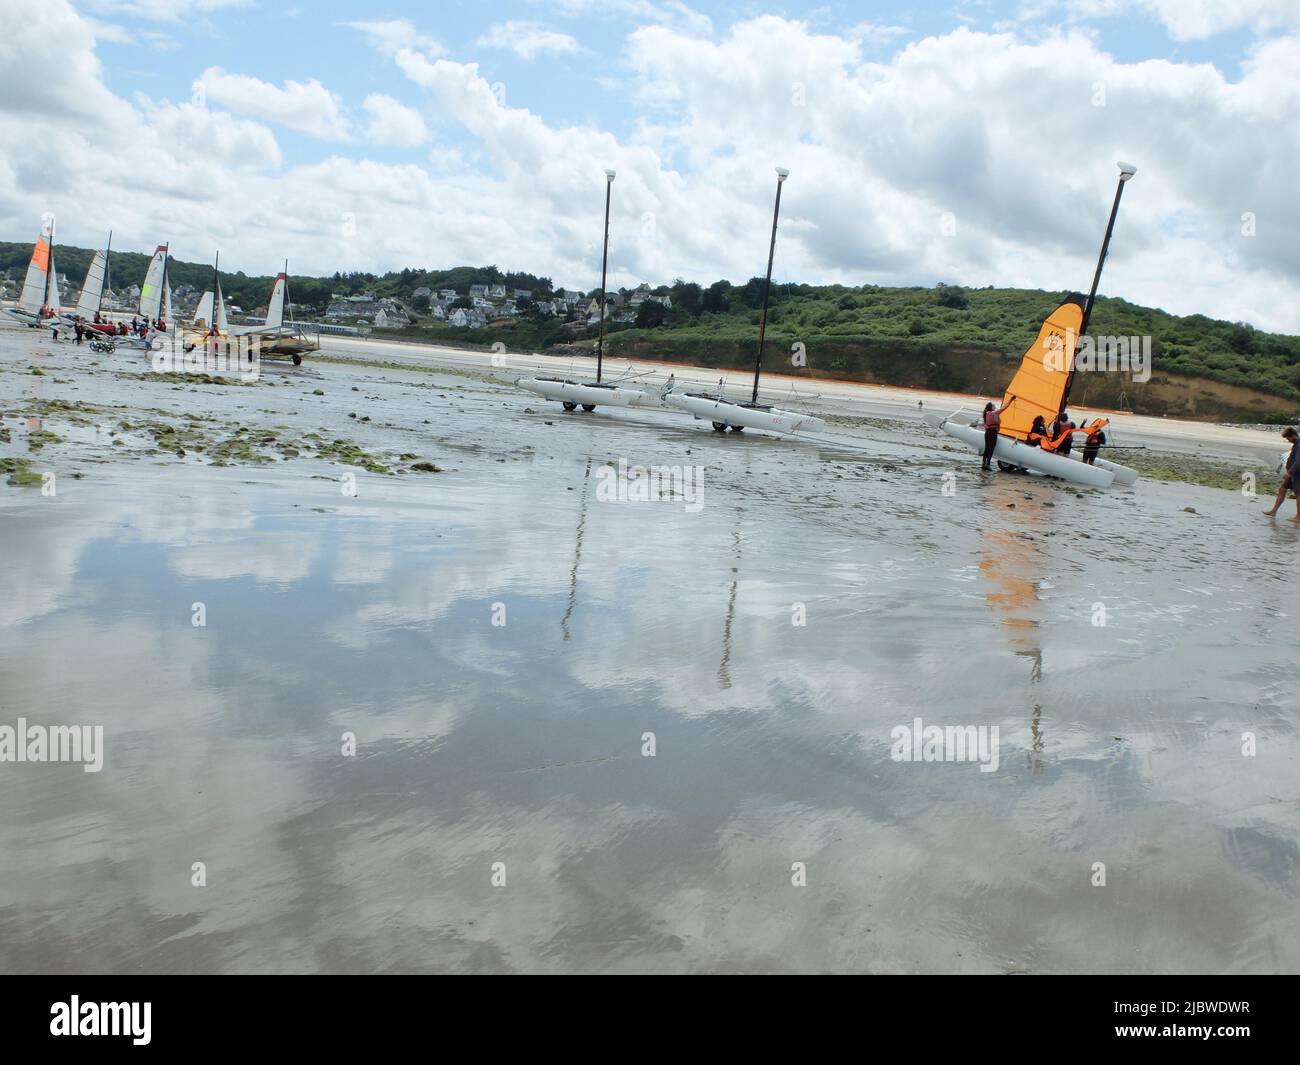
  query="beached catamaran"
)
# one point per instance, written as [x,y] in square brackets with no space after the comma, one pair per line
[1041,387]
[38,303]
[155,301]
[589,394]
[91,300]
[728,414]
[211,310]
[275,337]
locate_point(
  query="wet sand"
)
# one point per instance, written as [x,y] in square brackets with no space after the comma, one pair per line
[524,743]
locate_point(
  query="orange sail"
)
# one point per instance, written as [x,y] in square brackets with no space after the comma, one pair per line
[1044,375]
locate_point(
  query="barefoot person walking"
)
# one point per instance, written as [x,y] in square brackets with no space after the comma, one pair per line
[1290,476]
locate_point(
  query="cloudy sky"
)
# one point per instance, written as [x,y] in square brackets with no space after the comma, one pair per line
[970,142]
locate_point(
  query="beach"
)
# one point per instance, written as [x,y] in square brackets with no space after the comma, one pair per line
[462,700]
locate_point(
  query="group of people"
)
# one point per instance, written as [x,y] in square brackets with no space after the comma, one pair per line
[101,326]
[1058,438]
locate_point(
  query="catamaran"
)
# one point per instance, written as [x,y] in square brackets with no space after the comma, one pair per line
[737,416]
[1041,389]
[155,302]
[91,300]
[275,337]
[210,314]
[589,394]
[38,303]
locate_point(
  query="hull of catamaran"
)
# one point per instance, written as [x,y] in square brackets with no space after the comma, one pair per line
[69,319]
[1125,476]
[1017,453]
[27,318]
[723,412]
[586,394]
[285,342]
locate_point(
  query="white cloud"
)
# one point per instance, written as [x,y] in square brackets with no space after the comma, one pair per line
[998,131]
[307,107]
[391,36]
[653,12]
[394,123]
[1189,20]
[876,32]
[528,39]
[167,10]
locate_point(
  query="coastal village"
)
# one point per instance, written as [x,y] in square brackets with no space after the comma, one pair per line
[474,307]
[482,305]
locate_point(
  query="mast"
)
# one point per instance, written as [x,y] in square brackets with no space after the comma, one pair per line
[108,251]
[287,305]
[162,291]
[51,276]
[781,175]
[1126,171]
[604,264]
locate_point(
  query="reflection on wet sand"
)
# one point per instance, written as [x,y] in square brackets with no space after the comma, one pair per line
[724,667]
[577,553]
[479,744]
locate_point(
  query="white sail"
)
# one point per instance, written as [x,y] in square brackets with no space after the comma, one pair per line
[223,323]
[151,292]
[275,310]
[54,298]
[32,298]
[93,287]
[203,312]
[167,304]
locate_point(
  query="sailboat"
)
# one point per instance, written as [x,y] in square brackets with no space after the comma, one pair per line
[91,300]
[1041,387]
[589,394]
[38,303]
[728,414]
[210,314]
[274,336]
[155,301]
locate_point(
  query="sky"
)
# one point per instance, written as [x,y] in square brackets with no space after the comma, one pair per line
[968,142]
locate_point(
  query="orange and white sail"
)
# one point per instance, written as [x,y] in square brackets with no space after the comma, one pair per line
[36,281]
[1040,385]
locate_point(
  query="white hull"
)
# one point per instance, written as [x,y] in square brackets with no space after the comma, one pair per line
[588,394]
[26,317]
[722,412]
[1124,475]
[1031,458]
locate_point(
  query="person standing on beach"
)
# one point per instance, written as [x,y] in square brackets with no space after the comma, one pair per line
[1290,476]
[992,422]
[1092,445]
